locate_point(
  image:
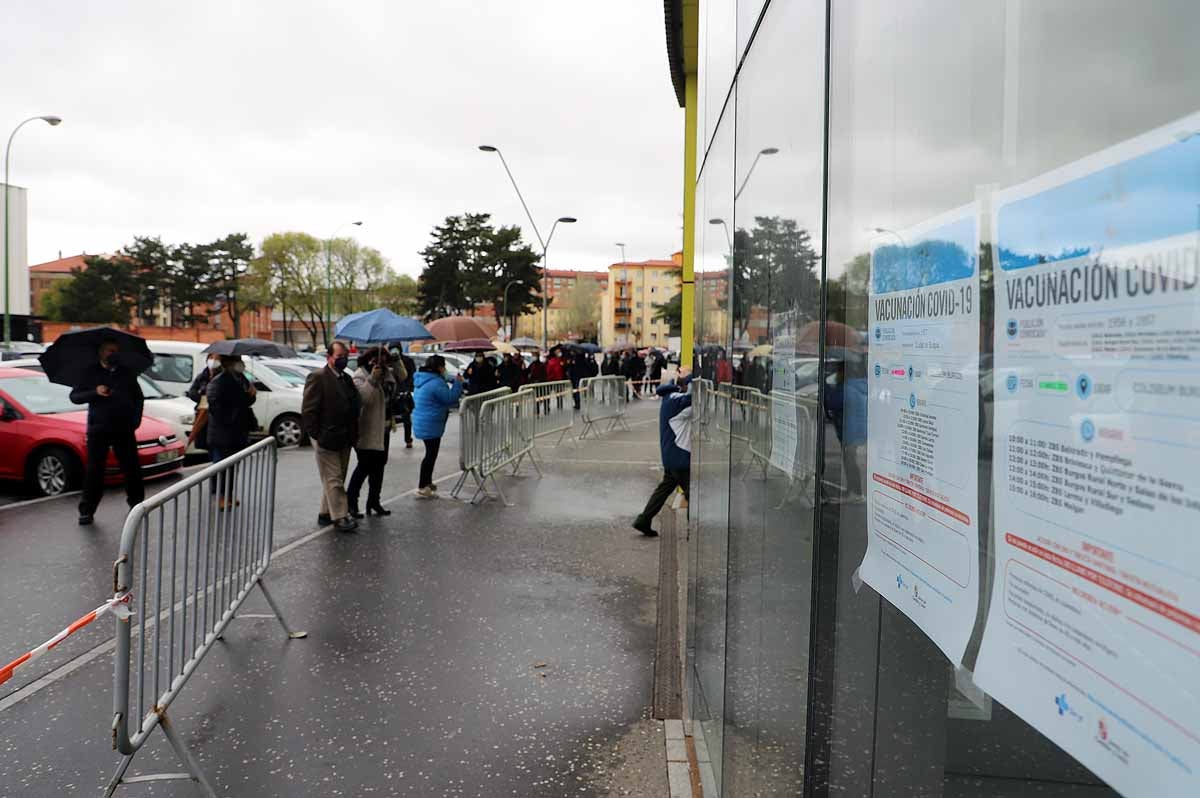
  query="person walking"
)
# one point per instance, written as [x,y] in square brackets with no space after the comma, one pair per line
[376,384]
[433,398]
[114,399]
[329,413]
[675,441]
[230,419]
[480,375]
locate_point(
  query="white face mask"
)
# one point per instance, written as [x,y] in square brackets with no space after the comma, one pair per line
[213,365]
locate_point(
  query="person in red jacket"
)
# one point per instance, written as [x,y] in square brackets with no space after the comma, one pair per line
[556,369]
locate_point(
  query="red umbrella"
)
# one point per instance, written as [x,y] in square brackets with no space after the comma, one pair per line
[458,328]
[836,334]
[470,345]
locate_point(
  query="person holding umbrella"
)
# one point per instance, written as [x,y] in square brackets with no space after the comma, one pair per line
[230,419]
[376,384]
[102,367]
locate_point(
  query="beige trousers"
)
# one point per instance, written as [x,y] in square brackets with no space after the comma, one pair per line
[332,465]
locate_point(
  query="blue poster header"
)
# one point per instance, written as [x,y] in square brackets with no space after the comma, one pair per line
[940,255]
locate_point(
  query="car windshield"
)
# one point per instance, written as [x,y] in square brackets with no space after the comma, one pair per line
[151,390]
[292,376]
[38,394]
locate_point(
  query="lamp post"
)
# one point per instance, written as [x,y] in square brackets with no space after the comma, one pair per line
[544,242]
[52,121]
[622,246]
[750,171]
[512,327]
[728,240]
[329,281]
[900,238]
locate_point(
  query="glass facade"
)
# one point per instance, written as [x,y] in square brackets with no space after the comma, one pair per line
[947,336]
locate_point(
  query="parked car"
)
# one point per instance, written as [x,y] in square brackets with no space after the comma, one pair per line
[453,366]
[18,350]
[177,363]
[43,437]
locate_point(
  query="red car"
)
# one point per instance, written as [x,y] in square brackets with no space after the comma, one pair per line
[42,437]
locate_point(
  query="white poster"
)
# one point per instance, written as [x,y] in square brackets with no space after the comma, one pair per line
[784,428]
[1093,630]
[922,405]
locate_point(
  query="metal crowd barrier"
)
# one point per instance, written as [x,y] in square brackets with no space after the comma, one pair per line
[742,407]
[784,437]
[468,438]
[189,557]
[505,434]
[602,399]
[555,408]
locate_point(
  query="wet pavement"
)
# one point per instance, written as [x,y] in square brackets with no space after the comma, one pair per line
[452,649]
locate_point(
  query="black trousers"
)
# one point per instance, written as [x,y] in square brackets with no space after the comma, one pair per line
[671,480]
[369,469]
[124,446]
[429,461]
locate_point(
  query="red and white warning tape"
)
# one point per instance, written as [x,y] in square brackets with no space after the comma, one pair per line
[118,605]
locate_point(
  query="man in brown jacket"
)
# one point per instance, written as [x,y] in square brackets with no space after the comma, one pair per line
[330,416]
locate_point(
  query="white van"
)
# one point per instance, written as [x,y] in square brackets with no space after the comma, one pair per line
[277,408]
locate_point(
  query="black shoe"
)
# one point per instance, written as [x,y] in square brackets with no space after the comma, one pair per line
[346,524]
[323,519]
[643,526]
[85,520]
[352,504]
[408,444]
[377,509]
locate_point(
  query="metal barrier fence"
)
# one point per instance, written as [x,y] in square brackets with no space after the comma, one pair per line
[189,557]
[555,408]
[469,439]
[602,399]
[506,430]
[742,407]
[784,437]
[705,406]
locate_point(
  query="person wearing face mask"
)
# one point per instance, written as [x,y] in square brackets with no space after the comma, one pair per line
[230,419]
[198,393]
[114,399]
[433,398]
[480,375]
[329,413]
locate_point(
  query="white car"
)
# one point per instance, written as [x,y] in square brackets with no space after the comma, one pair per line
[178,411]
[277,408]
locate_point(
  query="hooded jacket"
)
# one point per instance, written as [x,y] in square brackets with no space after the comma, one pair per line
[674,418]
[432,400]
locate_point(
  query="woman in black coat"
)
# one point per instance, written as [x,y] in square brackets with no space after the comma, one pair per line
[230,419]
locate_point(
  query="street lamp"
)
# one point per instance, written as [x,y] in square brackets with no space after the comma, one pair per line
[52,121]
[544,242]
[512,327]
[622,246]
[750,171]
[329,280]
[728,240]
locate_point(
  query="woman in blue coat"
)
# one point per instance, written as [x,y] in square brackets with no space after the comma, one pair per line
[432,399]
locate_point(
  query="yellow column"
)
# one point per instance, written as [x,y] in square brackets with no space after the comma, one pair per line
[687,333]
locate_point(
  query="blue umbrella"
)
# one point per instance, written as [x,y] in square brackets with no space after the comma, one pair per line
[380,326]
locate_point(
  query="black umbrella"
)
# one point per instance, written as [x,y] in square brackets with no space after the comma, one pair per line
[249,346]
[69,357]
[584,346]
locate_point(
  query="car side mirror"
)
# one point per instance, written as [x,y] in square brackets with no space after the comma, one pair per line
[259,385]
[8,412]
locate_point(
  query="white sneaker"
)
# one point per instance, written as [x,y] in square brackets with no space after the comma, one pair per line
[425,493]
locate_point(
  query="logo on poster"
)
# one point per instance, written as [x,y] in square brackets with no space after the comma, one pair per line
[1011,383]
[878,370]
[1087,430]
[912,401]
[1011,328]
[1083,386]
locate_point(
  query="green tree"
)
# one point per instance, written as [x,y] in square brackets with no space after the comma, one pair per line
[581,311]
[289,273]
[774,268]
[469,261]
[223,264]
[399,295]
[102,293]
[671,312]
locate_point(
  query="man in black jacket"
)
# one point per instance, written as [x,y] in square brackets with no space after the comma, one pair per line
[114,399]
[230,419]
[329,412]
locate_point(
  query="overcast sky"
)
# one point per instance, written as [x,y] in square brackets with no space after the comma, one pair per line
[190,121]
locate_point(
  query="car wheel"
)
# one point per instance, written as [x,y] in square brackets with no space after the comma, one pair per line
[52,471]
[287,430]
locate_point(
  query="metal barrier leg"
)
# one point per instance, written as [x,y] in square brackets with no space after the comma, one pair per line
[458,486]
[278,615]
[194,774]
[499,491]
[587,425]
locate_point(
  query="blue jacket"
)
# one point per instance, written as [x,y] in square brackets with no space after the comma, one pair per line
[673,403]
[432,400]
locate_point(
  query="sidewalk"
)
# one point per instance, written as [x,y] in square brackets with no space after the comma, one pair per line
[453,650]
